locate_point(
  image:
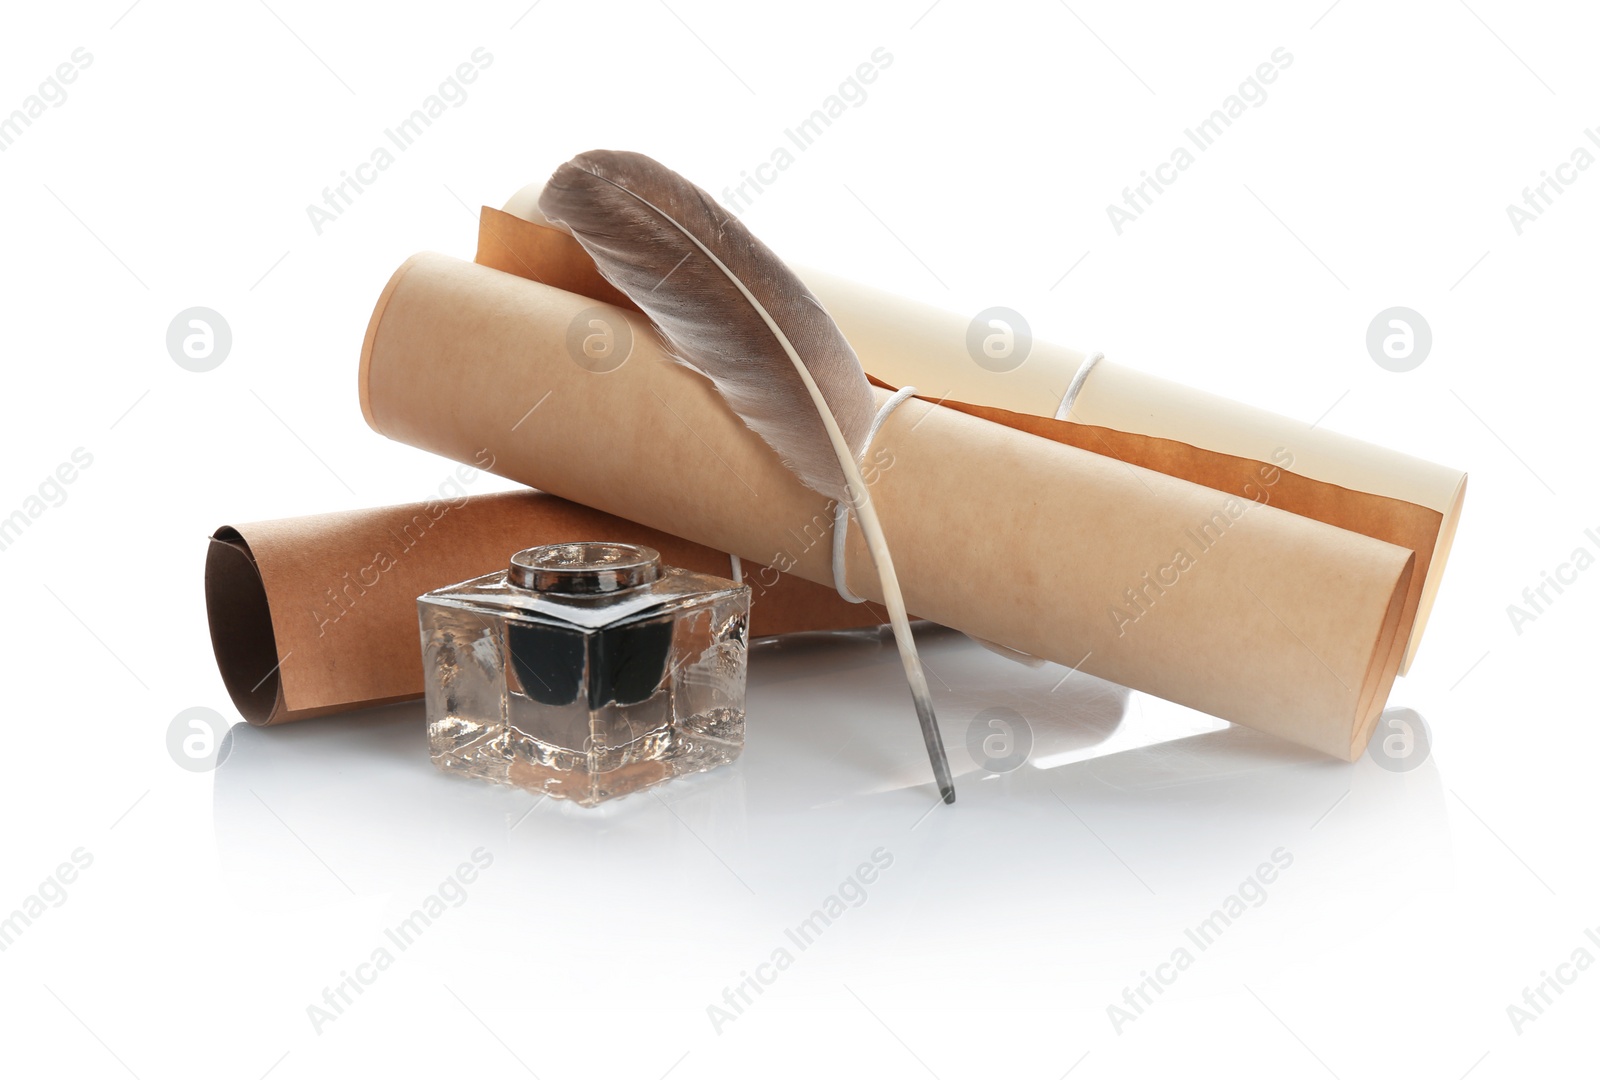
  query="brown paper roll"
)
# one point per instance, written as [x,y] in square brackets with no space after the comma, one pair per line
[1120,412]
[1270,619]
[316,615]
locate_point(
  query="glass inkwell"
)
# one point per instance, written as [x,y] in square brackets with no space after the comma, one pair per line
[585,671]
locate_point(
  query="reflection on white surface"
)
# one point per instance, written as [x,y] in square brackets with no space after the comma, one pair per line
[822,864]
[1150,801]
[830,728]
[820,872]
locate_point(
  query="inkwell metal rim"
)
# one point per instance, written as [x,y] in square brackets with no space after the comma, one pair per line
[584,568]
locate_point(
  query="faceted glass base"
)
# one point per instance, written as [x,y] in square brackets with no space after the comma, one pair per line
[586,712]
[508,755]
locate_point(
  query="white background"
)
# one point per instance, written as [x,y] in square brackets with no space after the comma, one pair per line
[218,906]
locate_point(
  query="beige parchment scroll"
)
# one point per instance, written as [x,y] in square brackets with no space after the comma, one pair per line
[1216,600]
[316,615]
[1353,484]
[1150,421]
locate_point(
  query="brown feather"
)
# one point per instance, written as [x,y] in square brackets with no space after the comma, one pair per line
[641,222]
[730,309]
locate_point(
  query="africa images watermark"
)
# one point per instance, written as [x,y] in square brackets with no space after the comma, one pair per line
[51,893]
[342,598]
[51,94]
[1551,985]
[1251,893]
[51,492]
[1140,599]
[819,530]
[451,893]
[1536,599]
[851,893]
[1251,94]
[1542,196]
[851,94]
[451,94]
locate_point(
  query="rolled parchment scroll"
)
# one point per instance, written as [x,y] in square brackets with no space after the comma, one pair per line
[316,615]
[1340,480]
[1120,411]
[1216,597]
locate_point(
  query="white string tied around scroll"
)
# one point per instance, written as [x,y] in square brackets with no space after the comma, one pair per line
[841,511]
[1081,376]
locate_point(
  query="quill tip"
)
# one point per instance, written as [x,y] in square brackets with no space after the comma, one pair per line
[935,744]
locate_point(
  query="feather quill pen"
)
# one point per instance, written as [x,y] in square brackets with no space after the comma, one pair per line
[730,309]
